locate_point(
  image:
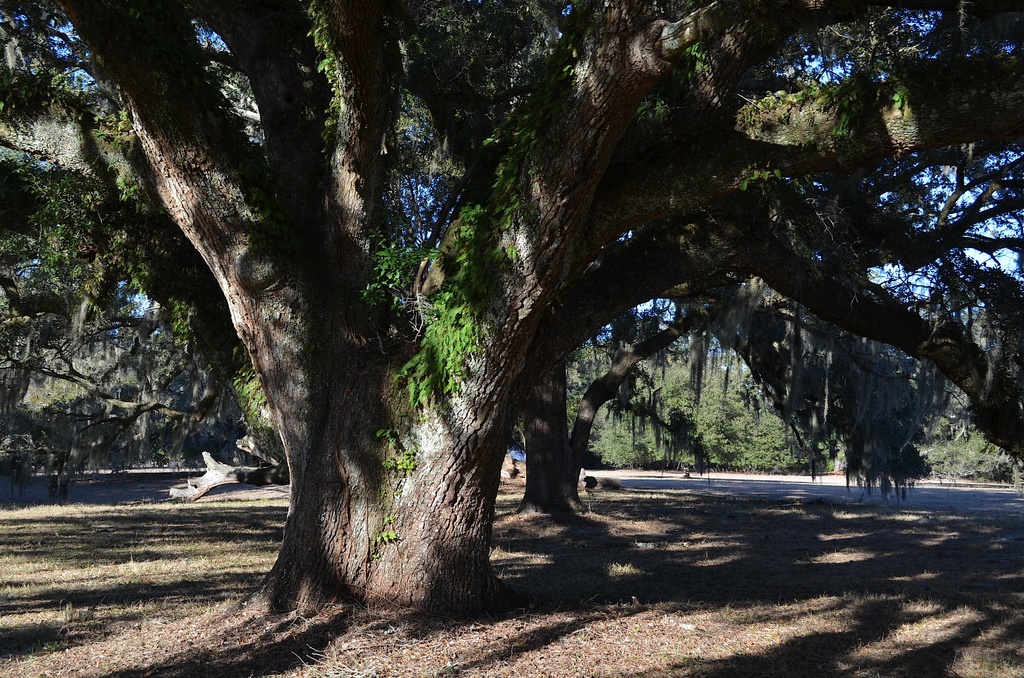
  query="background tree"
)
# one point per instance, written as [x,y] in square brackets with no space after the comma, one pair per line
[94,371]
[696,404]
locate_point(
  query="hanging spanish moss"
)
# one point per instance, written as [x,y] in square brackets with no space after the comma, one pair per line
[829,384]
[698,361]
[88,391]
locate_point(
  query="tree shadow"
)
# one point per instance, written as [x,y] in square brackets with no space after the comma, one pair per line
[717,553]
[112,535]
[761,551]
[690,554]
[279,645]
[828,653]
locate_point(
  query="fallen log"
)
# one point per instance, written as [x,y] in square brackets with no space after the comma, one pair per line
[218,473]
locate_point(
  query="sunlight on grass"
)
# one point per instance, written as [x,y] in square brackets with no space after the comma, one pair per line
[855,512]
[905,516]
[707,560]
[77,572]
[927,625]
[622,570]
[843,536]
[939,540]
[844,556]
[919,577]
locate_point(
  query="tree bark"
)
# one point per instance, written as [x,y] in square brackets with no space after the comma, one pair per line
[398,518]
[554,458]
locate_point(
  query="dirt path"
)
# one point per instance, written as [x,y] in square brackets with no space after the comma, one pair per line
[154,485]
[928,495]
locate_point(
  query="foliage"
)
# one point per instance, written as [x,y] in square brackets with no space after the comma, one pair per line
[476,256]
[400,459]
[95,372]
[733,436]
[454,329]
[667,422]
[617,444]
[967,456]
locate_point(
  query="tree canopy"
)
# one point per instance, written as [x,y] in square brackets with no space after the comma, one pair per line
[416,210]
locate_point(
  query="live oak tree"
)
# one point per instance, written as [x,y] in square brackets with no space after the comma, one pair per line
[587,144]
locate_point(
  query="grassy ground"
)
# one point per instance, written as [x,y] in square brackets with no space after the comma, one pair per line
[646,584]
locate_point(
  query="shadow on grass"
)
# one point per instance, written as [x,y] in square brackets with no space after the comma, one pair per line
[716,553]
[300,644]
[87,569]
[828,653]
[106,535]
[742,552]
[759,558]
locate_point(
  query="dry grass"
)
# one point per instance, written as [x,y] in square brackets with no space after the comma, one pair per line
[647,584]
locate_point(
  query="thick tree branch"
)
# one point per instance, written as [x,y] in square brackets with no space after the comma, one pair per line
[678,253]
[994,391]
[677,36]
[272,47]
[800,134]
[211,179]
[357,37]
[187,147]
[68,140]
[992,245]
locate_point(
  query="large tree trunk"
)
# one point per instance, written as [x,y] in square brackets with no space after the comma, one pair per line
[388,506]
[552,472]
[390,511]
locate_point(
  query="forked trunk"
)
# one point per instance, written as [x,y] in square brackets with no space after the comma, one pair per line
[386,507]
